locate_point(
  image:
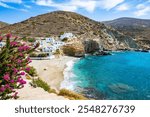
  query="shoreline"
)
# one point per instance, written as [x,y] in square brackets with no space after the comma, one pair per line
[52,71]
[67,73]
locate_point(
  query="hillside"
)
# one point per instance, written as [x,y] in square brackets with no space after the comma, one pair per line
[54,23]
[3,24]
[136,28]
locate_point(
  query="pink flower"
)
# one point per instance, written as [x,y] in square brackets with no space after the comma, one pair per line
[15,70]
[9,35]
[15,95]
[27,69]
[22,73]
[21,54]
[19,61]
[7,86]
[12,81]
[6,77]
[13,43]
[29,60]
[22,81]
[1,38]
[2,89]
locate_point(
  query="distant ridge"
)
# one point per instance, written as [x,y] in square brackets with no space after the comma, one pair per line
[3,24]
[136,28]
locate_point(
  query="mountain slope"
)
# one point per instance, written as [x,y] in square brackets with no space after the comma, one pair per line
[3,24]
[54,23]
[136,28]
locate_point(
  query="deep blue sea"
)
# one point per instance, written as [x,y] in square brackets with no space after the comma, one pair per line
[121,76]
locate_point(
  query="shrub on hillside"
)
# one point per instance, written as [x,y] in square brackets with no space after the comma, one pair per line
[42,55]
[71,95]
[14,60]
[31,71]
[40,83]
[31,40]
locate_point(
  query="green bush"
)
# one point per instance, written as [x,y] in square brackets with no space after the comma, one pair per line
[31,40]
[57,52]
[33,55]
[65,39]
[40,83]
[32,71]
[71,95]
[42,55]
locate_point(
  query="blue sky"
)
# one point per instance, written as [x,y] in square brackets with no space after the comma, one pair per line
[13,11]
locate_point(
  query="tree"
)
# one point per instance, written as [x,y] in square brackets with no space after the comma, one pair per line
[13,64]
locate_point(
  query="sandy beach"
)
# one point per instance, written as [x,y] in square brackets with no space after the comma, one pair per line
[51,71]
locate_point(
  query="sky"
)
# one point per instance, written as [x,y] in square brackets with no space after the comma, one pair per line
[13,11]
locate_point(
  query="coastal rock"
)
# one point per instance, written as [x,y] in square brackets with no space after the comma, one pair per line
[121,88]
[75,50]
[91,93]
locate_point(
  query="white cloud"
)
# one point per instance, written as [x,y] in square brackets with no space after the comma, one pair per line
[142,12]
[122,7]
[73,5]
[109,4]
[27,6]
[24,10]
[5,5]
[88,5]
[12,1]
[142,9]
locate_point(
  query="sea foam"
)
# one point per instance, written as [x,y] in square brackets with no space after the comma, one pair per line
[67,83]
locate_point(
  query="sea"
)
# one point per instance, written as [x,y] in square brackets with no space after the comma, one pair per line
[120,76]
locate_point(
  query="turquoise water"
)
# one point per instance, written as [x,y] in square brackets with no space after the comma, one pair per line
[123,76]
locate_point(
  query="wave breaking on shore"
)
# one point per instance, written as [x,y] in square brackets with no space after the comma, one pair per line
[68,83]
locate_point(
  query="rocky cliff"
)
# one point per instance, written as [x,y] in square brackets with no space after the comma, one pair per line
[139,29]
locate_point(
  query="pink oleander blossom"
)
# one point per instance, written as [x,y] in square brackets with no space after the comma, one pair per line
[22,82]
[7,86]
[27,69]
[22,73]
[19,61]
[2,89]
[12,81]
[21,55]
[15,70]
[14,43]
[1,38]
[9,35]
[6,77]
[15,95]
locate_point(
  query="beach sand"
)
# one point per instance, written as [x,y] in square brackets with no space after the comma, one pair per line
[51,71]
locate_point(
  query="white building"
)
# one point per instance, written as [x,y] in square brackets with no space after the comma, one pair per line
[67,35]
[50,40]
[49,45]
[2,44]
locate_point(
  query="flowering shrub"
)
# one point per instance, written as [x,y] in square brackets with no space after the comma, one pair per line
[13,62]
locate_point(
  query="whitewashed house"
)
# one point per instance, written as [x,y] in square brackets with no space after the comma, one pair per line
[50,40]
[2,44]
[67,35]
[49,45]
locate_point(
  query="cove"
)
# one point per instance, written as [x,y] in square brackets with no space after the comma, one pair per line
[121,76]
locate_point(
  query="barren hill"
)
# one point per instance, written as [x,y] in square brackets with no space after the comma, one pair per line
[3,24]
[136,28]
[54,23]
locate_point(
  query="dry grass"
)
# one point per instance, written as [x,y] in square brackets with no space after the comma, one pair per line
[71,95]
